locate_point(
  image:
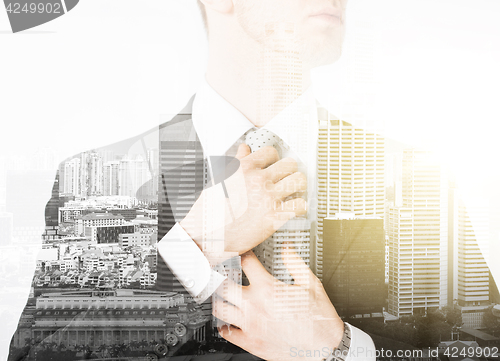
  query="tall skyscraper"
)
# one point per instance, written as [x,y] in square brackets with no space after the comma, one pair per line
[182,176]
[71,182]
[83,174]
[418,238]
[133,174]
[111,178]
[401,261]
[94,174]
[471,276]
[350,175]
[354,263]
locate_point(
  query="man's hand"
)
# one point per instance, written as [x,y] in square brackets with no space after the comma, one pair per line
[274,320]
[259,198]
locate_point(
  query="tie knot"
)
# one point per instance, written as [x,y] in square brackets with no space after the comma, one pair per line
[260,138]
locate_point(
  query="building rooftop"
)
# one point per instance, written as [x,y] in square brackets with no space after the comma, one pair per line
[97,216]
[125,292]
[479,334]
[458,343]
[92,253]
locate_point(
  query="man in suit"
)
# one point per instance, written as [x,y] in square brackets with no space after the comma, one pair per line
[217,187]
[245,90]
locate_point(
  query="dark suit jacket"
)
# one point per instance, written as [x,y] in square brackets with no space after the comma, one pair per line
[174,178]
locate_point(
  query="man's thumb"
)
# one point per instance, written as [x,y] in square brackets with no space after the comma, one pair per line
[243,151]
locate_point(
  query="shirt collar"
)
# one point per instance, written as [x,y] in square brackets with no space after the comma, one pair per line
[219,124]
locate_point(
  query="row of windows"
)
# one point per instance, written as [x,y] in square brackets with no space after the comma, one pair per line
[92,313]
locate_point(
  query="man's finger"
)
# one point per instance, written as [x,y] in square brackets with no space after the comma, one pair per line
[233,335]
[281,169]
[263,158]
[296,206]
[299,270]
[284,211]
[254,270]
[243,151]
[227,313]
[297,182]
[231,291]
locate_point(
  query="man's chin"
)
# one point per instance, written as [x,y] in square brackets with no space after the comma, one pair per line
[322,58]
[321,48]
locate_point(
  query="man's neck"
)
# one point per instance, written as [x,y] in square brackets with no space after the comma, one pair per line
[250,81]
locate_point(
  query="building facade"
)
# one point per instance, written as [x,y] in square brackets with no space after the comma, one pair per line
[354,264]
[418,238]
[350,175]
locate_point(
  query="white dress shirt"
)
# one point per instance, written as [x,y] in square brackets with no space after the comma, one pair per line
[219,125]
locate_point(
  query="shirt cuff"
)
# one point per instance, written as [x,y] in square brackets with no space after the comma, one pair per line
[188,263]
[362,347]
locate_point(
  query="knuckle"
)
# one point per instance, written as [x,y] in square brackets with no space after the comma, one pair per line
[291,163]
[302,177]
[270,152]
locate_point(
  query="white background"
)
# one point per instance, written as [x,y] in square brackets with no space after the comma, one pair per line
[108,69]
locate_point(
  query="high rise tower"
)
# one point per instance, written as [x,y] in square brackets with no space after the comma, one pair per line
[471,277]
[418,238]
[94,174]
[182,177]
[133,174]
[71,182]
[350,175]
[111,178]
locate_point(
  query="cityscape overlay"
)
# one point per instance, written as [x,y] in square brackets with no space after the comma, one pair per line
[393,243]
[390,239]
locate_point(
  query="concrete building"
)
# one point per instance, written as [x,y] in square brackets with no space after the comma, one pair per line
[94,318]
[418,238]
[152,261]
[95,181]
[127,213]
[471,275]
[133,174]
[350,175]
[354,264]
[107,234]
[111,176]
[179,160]
[97,220]
[134,239]
[71,181]
[68,214]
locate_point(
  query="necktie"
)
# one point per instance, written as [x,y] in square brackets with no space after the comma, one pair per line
[259,138]
[296,231]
